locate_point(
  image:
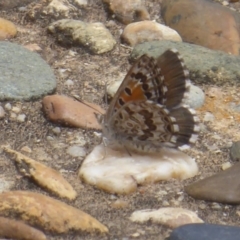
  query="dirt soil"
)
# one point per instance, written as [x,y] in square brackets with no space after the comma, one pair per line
[90,74]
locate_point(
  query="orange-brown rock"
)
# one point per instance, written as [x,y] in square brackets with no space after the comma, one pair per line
[70,112]
[18,230]
[7,29]
[204,23]
[47,213]
[44,176]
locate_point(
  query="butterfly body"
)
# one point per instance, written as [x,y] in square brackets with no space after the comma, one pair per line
[148,111]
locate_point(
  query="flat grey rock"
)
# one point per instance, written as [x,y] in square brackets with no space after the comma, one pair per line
[204,231]
[24,74]
[205,65]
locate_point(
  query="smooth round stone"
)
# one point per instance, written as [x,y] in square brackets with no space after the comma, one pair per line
[204,231]
[190,17]
[205,65]
[24,74]
[222,187]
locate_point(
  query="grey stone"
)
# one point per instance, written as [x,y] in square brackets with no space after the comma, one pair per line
[205,231]
[196,97]
[24,74]
[235,151]
[205,65]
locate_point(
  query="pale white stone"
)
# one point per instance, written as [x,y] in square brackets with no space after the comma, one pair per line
[69,83]
[76,151]
[13,115]
[113,87]
[144,31]
[226,165]
[208,117]
[171,217]
[8,106]
[16,109]
[115,171]
[21,117]
[80,3]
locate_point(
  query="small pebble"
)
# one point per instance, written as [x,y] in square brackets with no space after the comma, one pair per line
[50,138]
[69,83]
[208,117]
[238,213]
[76,151]
[8,106]
[174,202]
[2,112]
[13,115]
[81,3]
[202,206]
[26,149]
[135,235]
[16,109]
[119,204]
[225,3]
[56,130]
[21,118]
[165,204]
[113,197]
[226,165]
[216,206]
[22,9]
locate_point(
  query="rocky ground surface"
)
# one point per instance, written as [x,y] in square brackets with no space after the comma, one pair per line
[80,73]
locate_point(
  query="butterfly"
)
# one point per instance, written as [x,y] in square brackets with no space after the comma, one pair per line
[147,112]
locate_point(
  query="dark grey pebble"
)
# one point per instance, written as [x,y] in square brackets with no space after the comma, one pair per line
[204,231]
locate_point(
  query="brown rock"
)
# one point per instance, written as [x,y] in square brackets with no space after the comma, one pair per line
[144,31]
[70,112]
[7,29]
[18,230]
[127,11]
[47,213]
[44,176]
[222,187]
[204,23]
